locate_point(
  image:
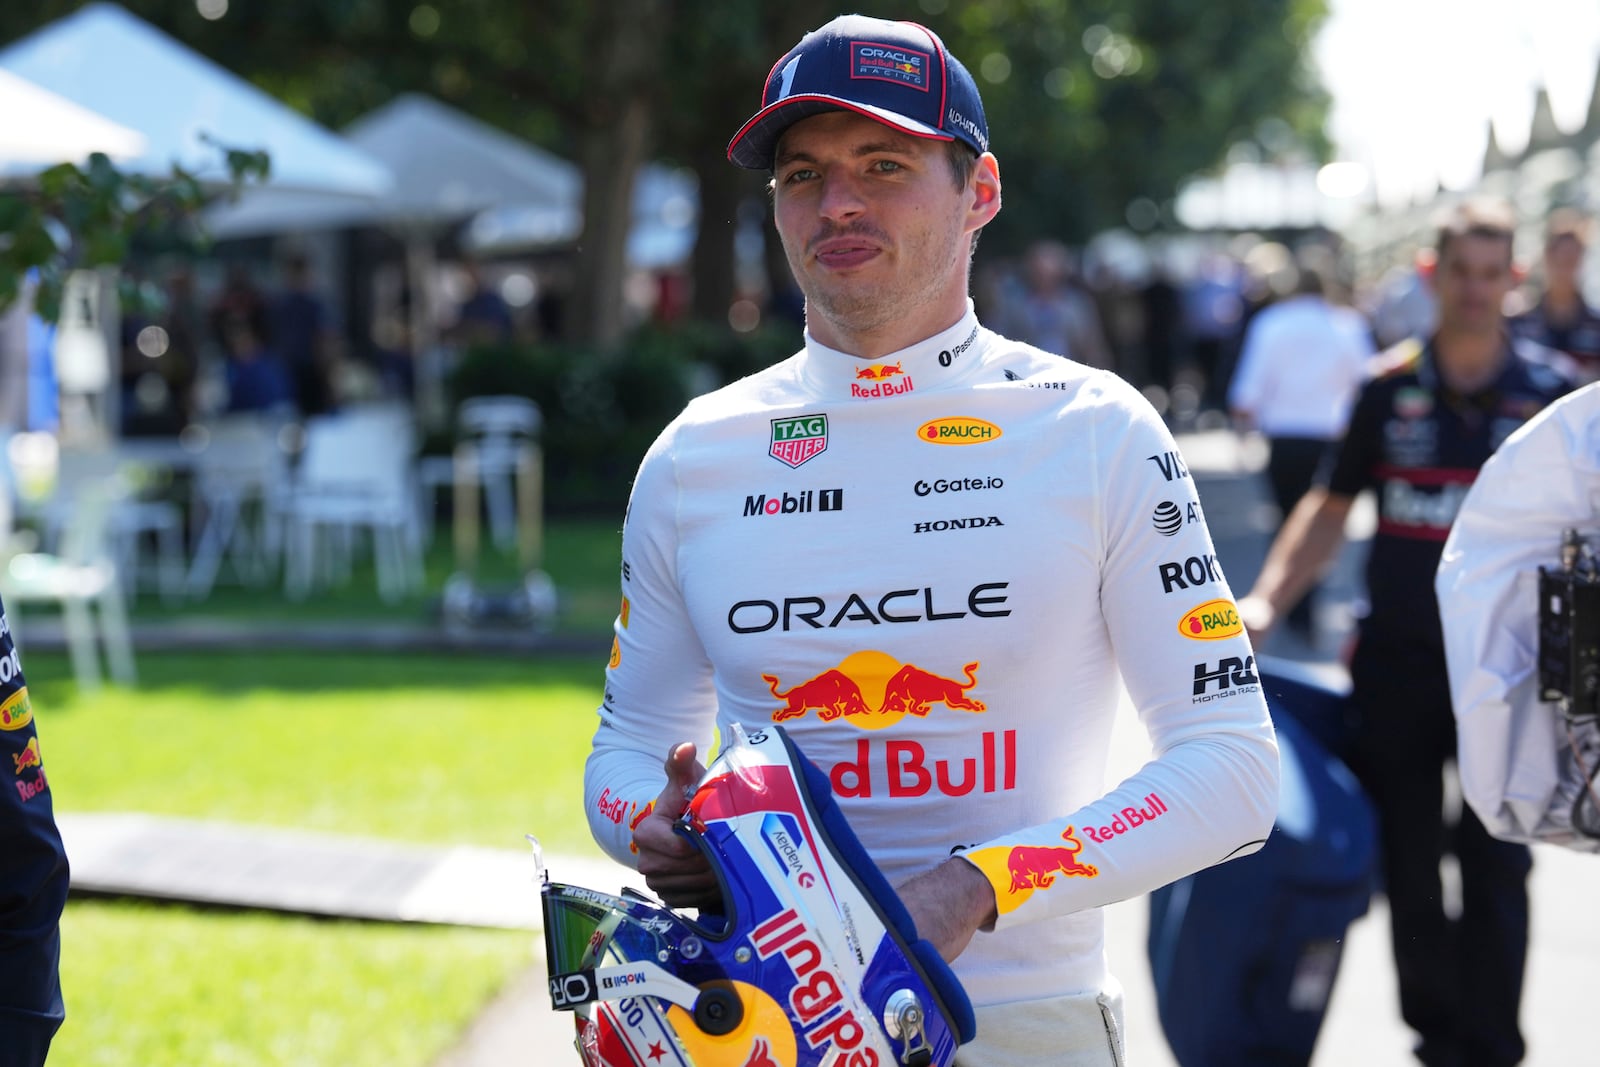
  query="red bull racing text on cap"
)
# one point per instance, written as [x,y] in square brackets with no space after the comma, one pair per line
[899,73]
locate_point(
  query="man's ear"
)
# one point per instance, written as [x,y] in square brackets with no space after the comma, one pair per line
[985,189]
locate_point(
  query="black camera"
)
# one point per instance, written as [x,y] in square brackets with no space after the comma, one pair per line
[1569,630]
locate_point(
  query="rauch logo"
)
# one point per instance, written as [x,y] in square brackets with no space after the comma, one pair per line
[957,430]
[1211,621]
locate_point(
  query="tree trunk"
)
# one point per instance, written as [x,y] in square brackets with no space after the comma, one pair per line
[723,188]
[624,39]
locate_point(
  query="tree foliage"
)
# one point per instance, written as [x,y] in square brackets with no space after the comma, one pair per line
[1093,105]
[75,218]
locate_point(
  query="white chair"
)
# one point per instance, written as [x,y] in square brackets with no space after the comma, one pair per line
[134,519]
[355,473]
[499,430]
[81,577]
[239,478]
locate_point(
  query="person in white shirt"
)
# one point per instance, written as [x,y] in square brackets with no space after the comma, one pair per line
[1525,768]
[1303,361]
[936,556]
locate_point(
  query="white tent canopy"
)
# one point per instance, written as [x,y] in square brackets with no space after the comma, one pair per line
[448,167]
[104,59]
[41,129]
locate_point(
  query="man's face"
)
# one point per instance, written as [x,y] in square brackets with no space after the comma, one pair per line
[1563,256]
[872,223]
[1471,280]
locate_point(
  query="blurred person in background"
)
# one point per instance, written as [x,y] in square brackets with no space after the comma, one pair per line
[301,333]
[1421,428]
[1213,316]
[1302,362]
[257,379]
[1052,310]
[881,182]
[484,318]
[1562,320]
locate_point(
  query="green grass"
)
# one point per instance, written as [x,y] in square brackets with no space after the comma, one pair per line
[580,555]
[416,748]
[454,749]
[158,986]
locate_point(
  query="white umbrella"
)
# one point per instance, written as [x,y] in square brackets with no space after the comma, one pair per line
[110,62]
[42,128]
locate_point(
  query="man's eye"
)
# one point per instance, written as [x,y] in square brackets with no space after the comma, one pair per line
[888,165]
[800,174]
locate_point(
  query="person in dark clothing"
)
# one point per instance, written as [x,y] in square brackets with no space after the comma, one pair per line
[1562,320]
[33,878]
[299,332]
[1420,430]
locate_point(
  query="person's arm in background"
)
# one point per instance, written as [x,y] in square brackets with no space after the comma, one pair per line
[1543,480]
[1246,390]
[33,878]
[1313,534]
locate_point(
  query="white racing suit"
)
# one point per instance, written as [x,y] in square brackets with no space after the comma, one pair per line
[1520,770]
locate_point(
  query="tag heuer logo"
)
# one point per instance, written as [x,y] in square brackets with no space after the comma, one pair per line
[798,439]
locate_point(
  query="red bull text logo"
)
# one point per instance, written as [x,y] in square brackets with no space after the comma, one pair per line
[1016,871]
[880,374]
[818,991]
[903,768]
[1211,621]
[17,711]
[28,790]
[28,757]
[1127,819]
[957,430]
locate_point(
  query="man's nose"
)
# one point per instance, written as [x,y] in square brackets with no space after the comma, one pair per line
[841,197]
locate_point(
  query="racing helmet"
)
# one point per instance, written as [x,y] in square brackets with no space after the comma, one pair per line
[813,960]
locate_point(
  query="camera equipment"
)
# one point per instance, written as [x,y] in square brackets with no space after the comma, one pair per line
[1569,665]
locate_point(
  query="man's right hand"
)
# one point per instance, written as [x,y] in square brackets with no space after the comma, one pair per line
[674,869]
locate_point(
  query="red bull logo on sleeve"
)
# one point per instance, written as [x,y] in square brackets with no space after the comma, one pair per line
[1017,871]
[1211,621]
[17,711]
[28,757]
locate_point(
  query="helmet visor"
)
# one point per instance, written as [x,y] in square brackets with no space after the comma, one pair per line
[584,929]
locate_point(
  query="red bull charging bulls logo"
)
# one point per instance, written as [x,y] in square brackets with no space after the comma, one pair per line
[871,691]
[1016,871]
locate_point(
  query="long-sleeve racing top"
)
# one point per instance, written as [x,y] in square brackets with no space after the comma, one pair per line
[935,569]
[1517,767]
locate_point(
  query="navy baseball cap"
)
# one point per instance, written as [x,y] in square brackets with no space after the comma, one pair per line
[899,73]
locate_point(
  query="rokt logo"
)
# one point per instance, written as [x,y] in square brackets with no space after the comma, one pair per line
[1196,570]
[794,504]
[957,430]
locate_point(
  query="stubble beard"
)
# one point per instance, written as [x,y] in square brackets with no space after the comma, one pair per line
[857,309]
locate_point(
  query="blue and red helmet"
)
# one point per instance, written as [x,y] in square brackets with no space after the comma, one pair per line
[813,962]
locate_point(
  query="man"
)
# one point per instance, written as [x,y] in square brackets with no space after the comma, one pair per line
[1420,430]
[1052,311]
[1302,362]
[33,880]
[1562,320]
[1527,767]
[928,551]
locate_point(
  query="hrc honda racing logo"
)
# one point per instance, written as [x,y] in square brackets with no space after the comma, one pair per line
[1231,676]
